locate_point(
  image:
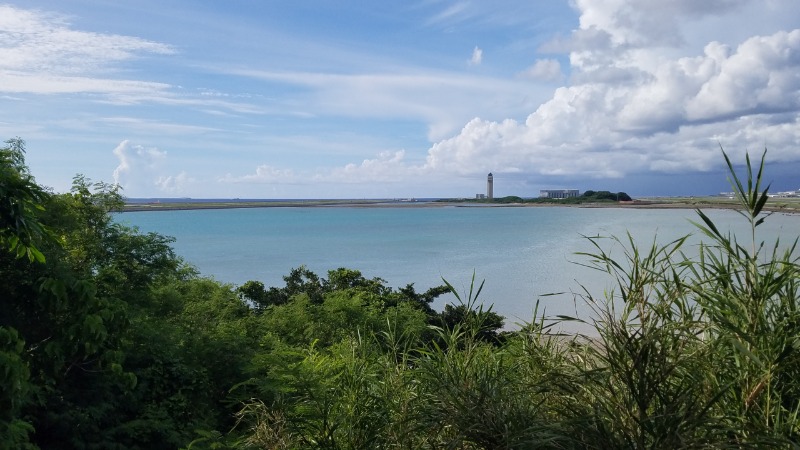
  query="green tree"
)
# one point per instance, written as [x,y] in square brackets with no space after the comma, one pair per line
[49,309]
[255,293]
[21,199]
[422,301]
[15,389]
[92,338]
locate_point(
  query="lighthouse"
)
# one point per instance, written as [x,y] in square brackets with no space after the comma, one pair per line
[490,187]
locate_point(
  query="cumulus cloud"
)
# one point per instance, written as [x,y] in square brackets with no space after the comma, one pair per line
[644,23]
[135,158]
[41,53]
[761,76]
[388,167]
[174,184]
[477,57]
[141,171]
[634,107]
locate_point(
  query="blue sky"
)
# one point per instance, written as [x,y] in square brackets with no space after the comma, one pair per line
[320,99]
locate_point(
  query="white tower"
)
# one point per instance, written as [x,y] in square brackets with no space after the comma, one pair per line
[490,187]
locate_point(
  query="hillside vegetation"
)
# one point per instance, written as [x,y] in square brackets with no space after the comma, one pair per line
[108,340]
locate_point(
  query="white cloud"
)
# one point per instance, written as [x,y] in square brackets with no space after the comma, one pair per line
[169,99]
[265,174]
[134,158]
[477,57]
[762,76]
[647,23]
[155,127]
[454,12]
[23,82]
[444,100]
[450,15]
[141,171]
[544,70]
[174,184]
[40,42]
[41,53]
[387,167]
[636,105]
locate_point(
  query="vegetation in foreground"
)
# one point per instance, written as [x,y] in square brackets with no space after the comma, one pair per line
[109,340]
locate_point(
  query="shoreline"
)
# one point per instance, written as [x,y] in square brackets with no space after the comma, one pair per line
[787,207]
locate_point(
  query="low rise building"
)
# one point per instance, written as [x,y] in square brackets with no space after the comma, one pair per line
[559,193]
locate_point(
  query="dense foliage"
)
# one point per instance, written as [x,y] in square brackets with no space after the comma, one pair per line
[109,340]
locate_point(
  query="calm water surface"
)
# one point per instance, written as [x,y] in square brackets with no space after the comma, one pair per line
[522,253]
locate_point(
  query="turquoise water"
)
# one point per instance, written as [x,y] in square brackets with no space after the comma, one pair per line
[522,253]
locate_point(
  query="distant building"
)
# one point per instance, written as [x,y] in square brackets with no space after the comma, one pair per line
[559,193]
[785,194]
[490,187]
[480,196]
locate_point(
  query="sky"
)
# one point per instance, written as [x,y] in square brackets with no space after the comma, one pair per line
[401,99]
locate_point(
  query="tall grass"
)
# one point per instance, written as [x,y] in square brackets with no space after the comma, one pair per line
[641,383]
[695,349]
[695,352]
[748,293]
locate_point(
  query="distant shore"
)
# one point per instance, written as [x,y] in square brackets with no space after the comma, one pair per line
[784,205]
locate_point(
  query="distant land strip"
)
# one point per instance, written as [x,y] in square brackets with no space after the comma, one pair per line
[787,205]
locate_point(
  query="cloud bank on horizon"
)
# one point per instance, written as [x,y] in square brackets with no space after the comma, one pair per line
[414,100]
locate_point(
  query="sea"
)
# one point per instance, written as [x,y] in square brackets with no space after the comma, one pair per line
[523,256]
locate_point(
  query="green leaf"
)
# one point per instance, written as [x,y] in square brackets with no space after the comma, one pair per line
[745,351]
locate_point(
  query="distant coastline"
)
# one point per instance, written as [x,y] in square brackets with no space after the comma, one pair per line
[189,204]
[784,205]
